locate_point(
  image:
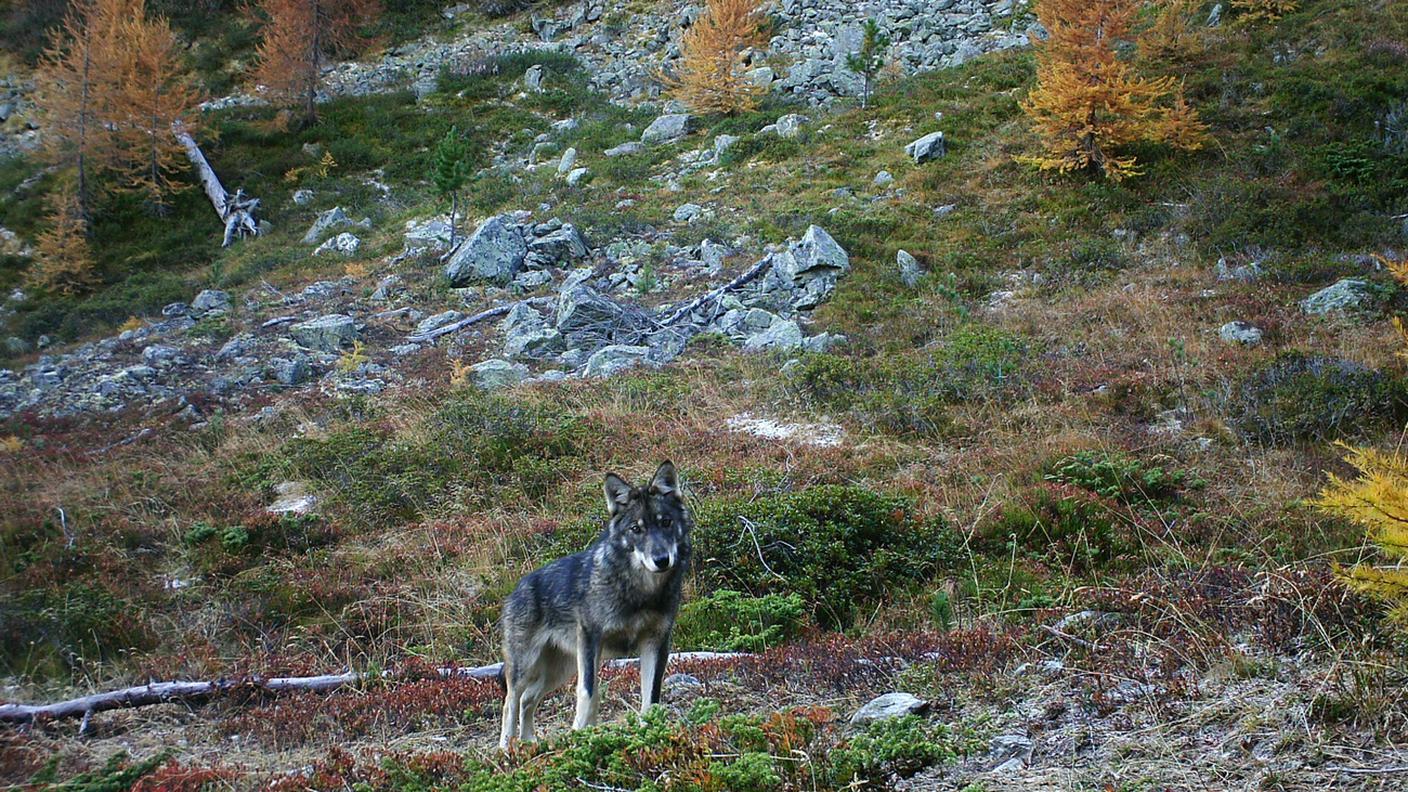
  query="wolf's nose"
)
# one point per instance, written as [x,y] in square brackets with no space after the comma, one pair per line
[662,562]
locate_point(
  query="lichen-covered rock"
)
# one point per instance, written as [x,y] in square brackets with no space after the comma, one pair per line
[931,146]
[887,706]
[494,252]
[326,333]
[615,358]
[210,301]
[1346,295]
[666,128]
[495,374]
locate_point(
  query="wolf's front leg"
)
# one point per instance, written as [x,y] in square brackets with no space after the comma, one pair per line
[588,661]
[653,657]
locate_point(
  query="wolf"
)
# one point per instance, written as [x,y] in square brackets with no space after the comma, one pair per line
[618,597]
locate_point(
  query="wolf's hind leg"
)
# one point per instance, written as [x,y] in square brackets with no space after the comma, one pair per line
[511,710]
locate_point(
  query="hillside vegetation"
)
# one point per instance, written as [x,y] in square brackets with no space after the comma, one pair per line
[1041,485]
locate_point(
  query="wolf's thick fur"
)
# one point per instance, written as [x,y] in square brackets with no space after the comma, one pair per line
[618,597]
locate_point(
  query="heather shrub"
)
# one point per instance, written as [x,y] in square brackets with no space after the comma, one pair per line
[1298,397]
[841,549]
[1122,478]
[731,621]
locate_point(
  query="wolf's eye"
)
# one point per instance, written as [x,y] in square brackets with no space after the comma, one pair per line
[635,529]
[666,522]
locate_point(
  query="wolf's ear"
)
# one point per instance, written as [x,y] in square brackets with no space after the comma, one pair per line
[665,481]
[618,493]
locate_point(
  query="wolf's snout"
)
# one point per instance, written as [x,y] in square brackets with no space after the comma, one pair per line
[662,563]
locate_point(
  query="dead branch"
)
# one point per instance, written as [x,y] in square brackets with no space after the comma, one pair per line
[747,277]
[166,692]
[236,211]
[498,310]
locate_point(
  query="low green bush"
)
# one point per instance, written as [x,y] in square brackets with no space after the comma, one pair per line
[730,621]
[1298,397]
[898,747]
[841,549]
[1121,477]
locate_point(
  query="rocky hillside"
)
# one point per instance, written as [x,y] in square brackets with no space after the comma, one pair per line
[1002,479]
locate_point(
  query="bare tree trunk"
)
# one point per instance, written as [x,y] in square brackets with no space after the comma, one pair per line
[163,692]
[237,211]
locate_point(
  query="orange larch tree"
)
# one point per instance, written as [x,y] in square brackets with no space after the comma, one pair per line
[1089,102]
[299,36]
[711,78]
[63,258]
[157,90]
[78,80]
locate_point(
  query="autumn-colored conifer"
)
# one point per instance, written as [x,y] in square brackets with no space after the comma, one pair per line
[78,80]
[1378,500]
[299,37]
[1264,9]
[711,76]
[63,259]
[1089,101]
[157,89]
[1177,32]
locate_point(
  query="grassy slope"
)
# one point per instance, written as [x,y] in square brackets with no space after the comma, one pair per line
[436,501]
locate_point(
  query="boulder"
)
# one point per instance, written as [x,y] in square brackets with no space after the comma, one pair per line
[494,374]
[782,335]
[931,146]
[883,179]
[887,706]
[1240,333]
[687,213]
[210,301]
[615,358]
[576,176]
[910,271]
[437,321]
[816,250]
[433,233]
[567,162]
[344,243]
[665,129]
[326,333]
[790,125]
[494,252]
[1349,294]
[290,372]
[533,77]
[530,280]
[533,343]
[564,246]
[326,221]
[627,148]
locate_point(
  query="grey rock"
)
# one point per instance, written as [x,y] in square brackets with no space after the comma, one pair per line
[159,355]
[302,197]
[494,252]
[722,143]
[568,161]
[931,146]
[290,372]
[432,233]
[627,148]
[533,77]
[326,333]
[530,280]
[437,321]
[172,310]
[817,250]
[762,76]
[910,271]
[1246,273]
[332,218]
[790,125]
[494,374]
[386,287]
[293,498]
[782,335]
[534,343]
[615,358]
[344,243]
[687,213]
[210,301]
[1010,746]
[883,179]
[665,129]
[576,176]
[564,246]
[1348,294]
[1240,333]
[887,706]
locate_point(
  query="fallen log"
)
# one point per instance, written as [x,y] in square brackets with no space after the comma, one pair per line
[498,310]
[743,279]
[166,692]
[236,211]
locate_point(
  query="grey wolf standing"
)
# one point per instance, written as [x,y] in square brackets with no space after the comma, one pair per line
[616,598]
